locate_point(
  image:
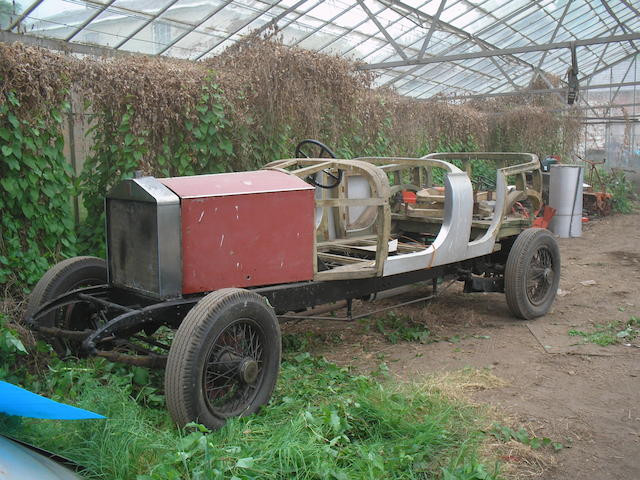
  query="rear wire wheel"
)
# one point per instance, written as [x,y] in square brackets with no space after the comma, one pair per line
[63,277]
[224,359]
[532,273]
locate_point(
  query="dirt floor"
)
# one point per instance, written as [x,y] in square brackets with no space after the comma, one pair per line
[583,395]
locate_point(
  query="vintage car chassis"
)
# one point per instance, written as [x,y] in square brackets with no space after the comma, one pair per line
[361,211]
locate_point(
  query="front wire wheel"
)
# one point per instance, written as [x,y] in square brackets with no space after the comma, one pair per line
[224,359]
[532,273]
[234,368]
[540,275]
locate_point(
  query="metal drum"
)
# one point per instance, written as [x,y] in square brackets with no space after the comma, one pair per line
[565,195]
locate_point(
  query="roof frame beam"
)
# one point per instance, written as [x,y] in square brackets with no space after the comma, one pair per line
[604,52]
[482,30]
[383,30]
[631,7]
[553,35]
[65,47]
[622,25]
[504,51]
[466,36]
[607,67]
[631,64]
[435,20]
[503,71]
[428,18]
[540,92]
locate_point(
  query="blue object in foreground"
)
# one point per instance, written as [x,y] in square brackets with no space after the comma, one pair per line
[18,401]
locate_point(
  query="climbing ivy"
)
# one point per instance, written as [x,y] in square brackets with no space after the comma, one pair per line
[200,144]
[36,187]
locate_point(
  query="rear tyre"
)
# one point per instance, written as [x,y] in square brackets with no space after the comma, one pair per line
[224,359]
[68,275]
[532,273]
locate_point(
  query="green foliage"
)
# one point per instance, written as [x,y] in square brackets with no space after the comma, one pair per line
[36,188]
[203,146]
[11,352]
[470,470]
[354,144]
[197,146]
[622,190]
[323,423]
[396,328]
[611,333]
[505,434]
[483,172]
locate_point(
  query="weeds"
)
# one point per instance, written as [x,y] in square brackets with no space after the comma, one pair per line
[505,434]
[323,423]
[396,328]
[611,333]
[622,190]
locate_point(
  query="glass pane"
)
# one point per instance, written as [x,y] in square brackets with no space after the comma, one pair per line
[184,11]
[454,11]
[153,38]
[58,19]
[351,18]
[110,29]
[194,44]
[149,8]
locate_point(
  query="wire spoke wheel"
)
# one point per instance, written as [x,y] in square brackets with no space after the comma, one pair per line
[224,359]
[532,273]
[234,368]
[540,275]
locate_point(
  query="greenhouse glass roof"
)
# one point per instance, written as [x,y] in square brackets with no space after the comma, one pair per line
[420,48]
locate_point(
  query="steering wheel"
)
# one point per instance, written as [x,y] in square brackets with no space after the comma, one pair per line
[310,145]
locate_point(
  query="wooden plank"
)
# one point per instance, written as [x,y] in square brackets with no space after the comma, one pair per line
[359,270]
[350,202]
[340,258]
[425,212]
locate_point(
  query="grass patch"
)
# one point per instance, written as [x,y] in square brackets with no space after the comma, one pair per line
[396,328]
[323,423]
[611,333]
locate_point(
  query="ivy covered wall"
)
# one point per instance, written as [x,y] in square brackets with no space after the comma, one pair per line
[166,117]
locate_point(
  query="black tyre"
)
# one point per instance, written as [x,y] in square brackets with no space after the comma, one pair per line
[532,273]
[224,359]
[68,275]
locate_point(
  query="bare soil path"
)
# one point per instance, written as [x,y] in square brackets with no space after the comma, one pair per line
[585,396]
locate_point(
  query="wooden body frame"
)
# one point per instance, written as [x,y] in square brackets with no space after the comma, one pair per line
[458,235]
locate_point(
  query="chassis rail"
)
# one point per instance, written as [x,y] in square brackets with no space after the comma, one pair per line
[122,321]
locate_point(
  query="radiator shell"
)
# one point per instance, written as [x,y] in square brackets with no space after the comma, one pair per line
[143,238]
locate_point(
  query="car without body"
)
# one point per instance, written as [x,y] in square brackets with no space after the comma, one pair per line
[199,268]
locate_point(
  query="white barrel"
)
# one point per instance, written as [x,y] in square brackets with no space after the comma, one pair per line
[565,195]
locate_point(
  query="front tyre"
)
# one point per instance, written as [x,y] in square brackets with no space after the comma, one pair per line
[532,273]
[63,277]
[224,359]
